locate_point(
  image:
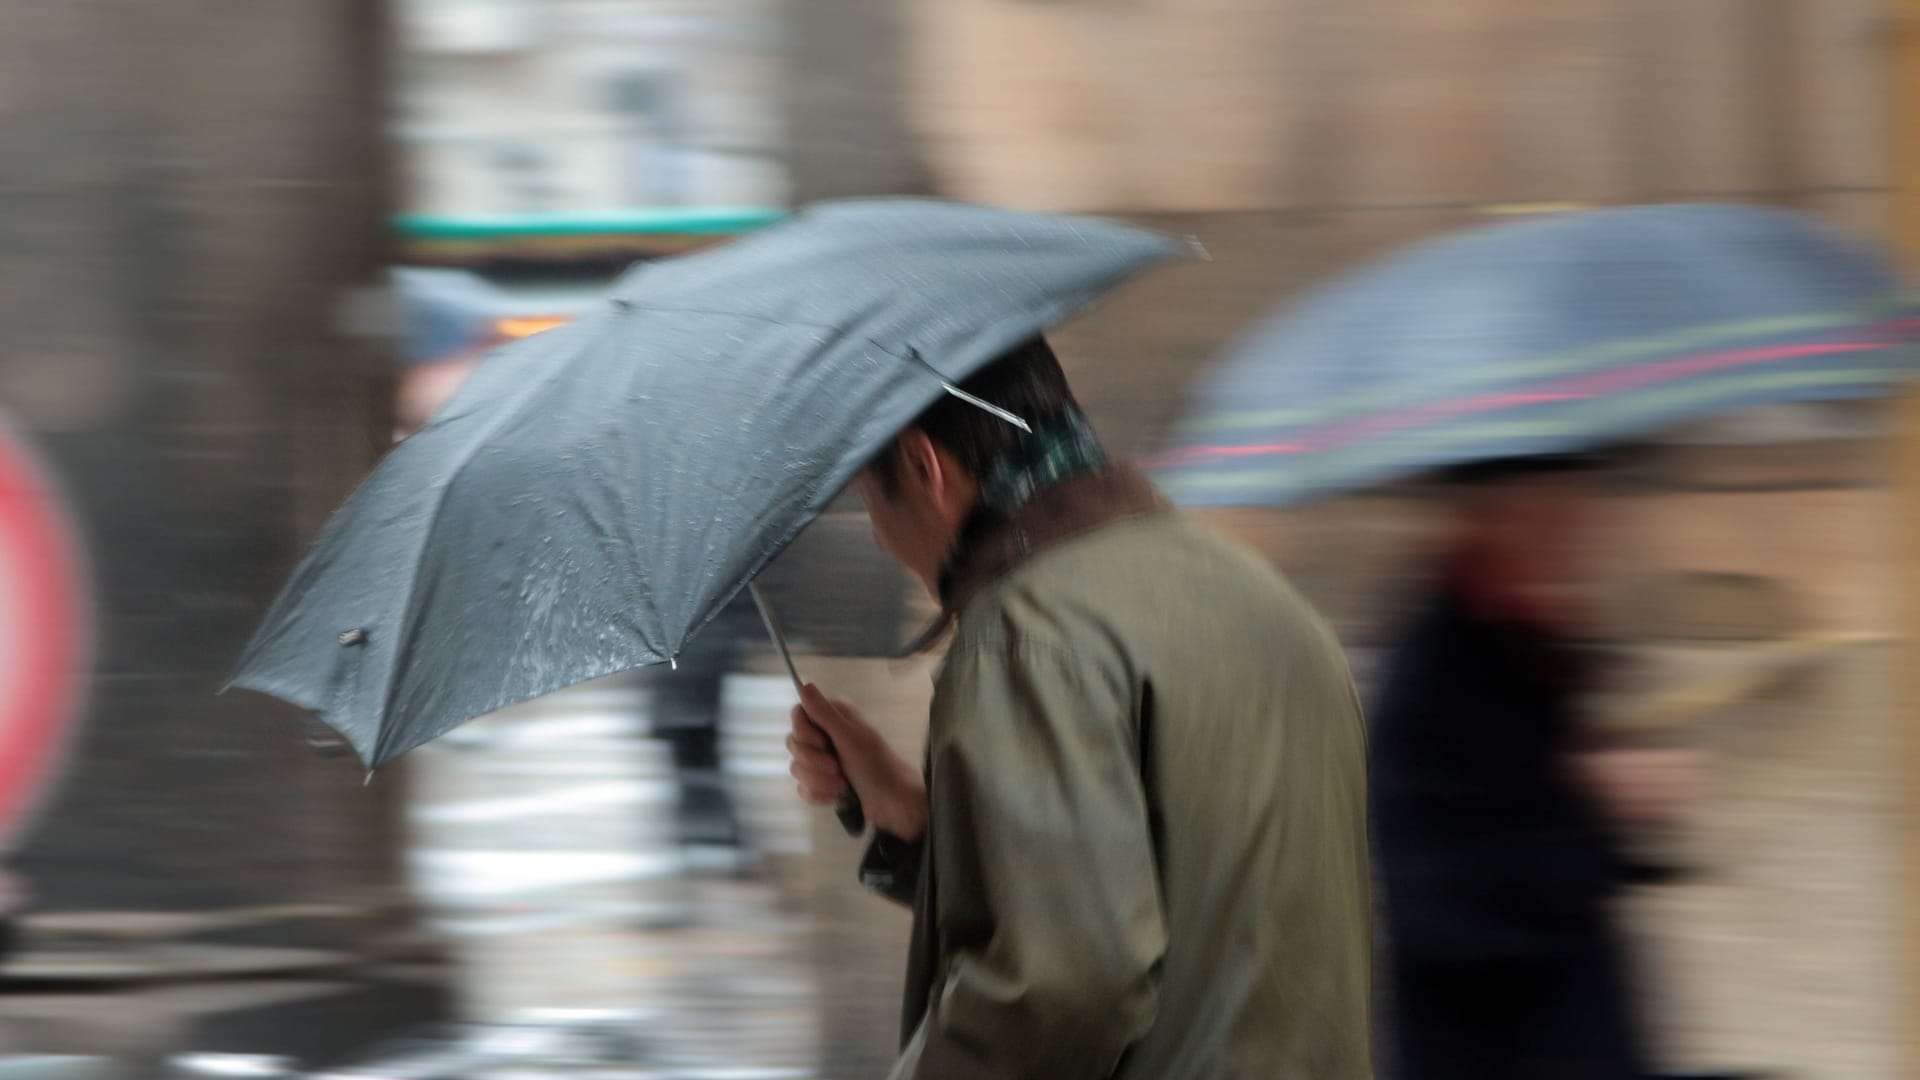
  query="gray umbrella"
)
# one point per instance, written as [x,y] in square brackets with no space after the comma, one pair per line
[595,493]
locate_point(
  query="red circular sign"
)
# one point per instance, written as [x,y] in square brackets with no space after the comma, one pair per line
[45,633]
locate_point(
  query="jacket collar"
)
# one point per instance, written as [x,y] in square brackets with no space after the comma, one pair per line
[991,544]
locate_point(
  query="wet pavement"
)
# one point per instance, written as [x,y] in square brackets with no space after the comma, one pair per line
[542,847]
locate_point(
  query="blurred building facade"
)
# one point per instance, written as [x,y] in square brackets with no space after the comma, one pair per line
[1312,105]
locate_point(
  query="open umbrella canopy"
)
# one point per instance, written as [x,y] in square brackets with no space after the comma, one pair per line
[593,494]
[1541,337]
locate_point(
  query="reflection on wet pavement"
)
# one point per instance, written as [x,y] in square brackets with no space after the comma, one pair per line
[542,845]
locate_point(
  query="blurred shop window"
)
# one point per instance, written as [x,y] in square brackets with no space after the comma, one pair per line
[468,27]
[651,107]
[526,174]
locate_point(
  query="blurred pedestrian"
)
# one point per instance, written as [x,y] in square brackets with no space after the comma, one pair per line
[426,385]
[686,715]
[449,322]
[1138,845]
[1497,817]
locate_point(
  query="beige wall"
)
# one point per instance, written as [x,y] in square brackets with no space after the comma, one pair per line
[1182,105]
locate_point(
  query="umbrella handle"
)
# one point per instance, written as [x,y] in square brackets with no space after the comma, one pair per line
[853,816]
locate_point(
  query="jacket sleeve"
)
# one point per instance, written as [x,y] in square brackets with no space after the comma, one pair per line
[1049,902]
[892,867]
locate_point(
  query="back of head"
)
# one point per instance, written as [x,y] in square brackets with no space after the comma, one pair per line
[1026,381]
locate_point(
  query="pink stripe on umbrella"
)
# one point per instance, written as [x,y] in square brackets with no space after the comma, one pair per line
[1579,387]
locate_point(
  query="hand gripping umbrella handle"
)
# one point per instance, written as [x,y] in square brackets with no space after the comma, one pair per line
[853,816]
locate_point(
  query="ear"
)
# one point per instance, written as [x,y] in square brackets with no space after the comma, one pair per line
[921,458]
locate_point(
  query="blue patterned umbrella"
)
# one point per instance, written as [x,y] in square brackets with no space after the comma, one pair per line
[1541,337]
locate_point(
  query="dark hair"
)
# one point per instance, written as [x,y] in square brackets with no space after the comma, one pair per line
[1500,470]
[1026,380]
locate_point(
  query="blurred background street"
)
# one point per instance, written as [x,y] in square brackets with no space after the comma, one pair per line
[245,249]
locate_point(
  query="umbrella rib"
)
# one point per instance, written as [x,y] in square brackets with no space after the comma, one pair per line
[989,406]
[677,309]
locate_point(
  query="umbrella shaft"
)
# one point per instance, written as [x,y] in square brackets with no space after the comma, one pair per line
[853,817]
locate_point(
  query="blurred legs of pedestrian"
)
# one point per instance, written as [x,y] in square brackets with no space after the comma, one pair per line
[705,820]
[1569,1017]
[686,716]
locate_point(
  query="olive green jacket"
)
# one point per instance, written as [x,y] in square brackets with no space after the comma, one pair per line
[1147,850]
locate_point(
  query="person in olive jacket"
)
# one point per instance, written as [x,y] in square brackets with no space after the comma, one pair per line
[1138,844]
